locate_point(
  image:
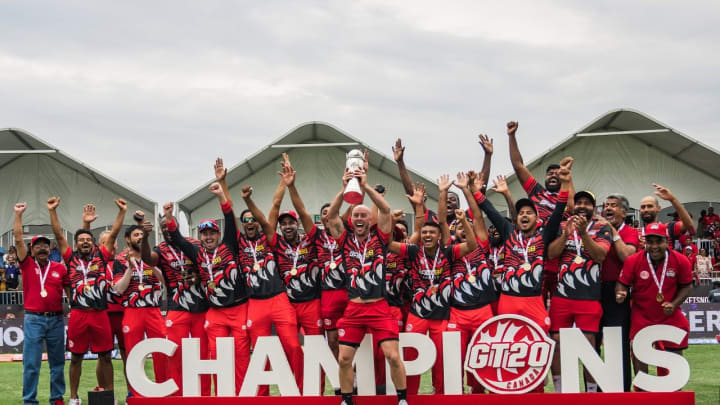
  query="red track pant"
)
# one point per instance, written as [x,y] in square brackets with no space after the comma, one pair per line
[436,327]
[466,321]
[139,323]
[262,314]
[230,322]
[182,324]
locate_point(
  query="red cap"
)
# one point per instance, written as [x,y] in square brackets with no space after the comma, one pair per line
[290,213]
[209,224]
[39,238]
[657,229]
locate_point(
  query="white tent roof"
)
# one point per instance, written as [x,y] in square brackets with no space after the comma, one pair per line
[33,170]
[317,152]
[626,151]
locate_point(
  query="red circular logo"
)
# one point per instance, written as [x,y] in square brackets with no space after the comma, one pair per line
[509,354]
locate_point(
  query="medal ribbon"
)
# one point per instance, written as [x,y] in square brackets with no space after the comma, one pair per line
[209,262]
[362,259]
[331,248]
[659,283]
[138,269]
[577,240]
[496,255]
[468,267]
[85,269]
[43,274]
[523,247]
[180,259]
[296,255]
[254,252]
[427,264]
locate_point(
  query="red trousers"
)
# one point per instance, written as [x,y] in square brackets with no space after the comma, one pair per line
[182,324]
[230,322]
[141,322]
[466,322]
[436,327]
[262,314]
[308,317]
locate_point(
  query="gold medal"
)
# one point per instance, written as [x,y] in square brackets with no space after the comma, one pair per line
[141,287]
[87,287]
[293,271]
[579,260]
[43,293]
[660,297]
[211,285]
[526,266]
[256,266]
[471,278]
[333,265]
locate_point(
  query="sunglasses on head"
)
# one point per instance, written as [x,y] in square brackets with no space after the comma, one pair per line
[207,225]
[248,220]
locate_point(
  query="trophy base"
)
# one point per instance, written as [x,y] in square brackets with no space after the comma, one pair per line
[353,197]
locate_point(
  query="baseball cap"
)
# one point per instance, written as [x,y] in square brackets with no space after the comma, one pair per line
[525,202]
[209,224]
[39,238]
[657,229]
[291,213]
[586,194]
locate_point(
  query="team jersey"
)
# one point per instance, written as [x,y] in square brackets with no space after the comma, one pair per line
[579,278]
[636,274]
[472,281]
[395,279]
[612,265]
[298,266]
[430,276]
[544,200]
[225,285]
[364,263]
[329,259]
[114,300]
[260,267]
[144,289]
[182,296]
[89,284]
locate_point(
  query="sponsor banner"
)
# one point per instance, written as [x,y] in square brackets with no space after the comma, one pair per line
[704,319]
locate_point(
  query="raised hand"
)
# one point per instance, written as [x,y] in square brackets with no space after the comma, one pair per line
[500,185]
[53,203]
[246,191]
[567,162]
[581,224]
[398,150]
[463,179]
[486,143]
[361,175]
[20,208]
[122,204]
[147,227]
[569,227]
[397,215]
[88,214]
[168,209]
[418,195]
[139,217]
[663,192]
[479,181]
[366,160]
[216,189]
[459,215]
[220,170]
[287,174]
[347,176]
[444,183]
[512,127]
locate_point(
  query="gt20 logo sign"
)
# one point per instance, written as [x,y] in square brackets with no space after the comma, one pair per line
[509,354]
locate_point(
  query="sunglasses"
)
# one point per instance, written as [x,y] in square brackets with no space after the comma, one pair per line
[207,225]
[248,220]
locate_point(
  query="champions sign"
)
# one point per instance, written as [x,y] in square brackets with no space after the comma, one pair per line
[508,354]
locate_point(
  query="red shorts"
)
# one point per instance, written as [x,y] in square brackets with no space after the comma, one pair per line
[397,313]
[468,320]
[332,307]
[89,328]
[585,314]
[374,317]
[116,327]
[308,317]
[638,322]
[529,307]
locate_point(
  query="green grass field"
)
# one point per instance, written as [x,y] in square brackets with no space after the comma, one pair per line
[704,378]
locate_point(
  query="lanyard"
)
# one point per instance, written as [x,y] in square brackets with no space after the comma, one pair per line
[209,262]
[43,275]
[296,255]
[427,264]
[180,259]
[254,253]
[622,226]
[138,269]
[362,259]
[659,283]
[576,239]
[85,268]
[496,255]
[523,247]
[468,267]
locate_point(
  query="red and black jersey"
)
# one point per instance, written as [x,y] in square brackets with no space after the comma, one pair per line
[395,279]
[431,279]
[182,296]
[298,266]
[579,279]
[225,286]
[259,264]
[329,259]
[364,263]
[144,289]
[89,283]
[544,200]
[472,281]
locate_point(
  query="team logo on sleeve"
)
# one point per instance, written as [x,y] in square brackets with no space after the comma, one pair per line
[509,354]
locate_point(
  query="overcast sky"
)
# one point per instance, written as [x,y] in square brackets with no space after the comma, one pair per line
[150,92]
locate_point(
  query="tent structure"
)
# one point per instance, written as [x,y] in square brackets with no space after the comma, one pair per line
[317,151]
[33,170]
[626,151]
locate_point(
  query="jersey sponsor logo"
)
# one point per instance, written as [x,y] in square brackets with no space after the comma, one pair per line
[671,273]
[644,275]
[125,329]
[341,332]
[168,323]
[546,203]
[509,354]
[55,274]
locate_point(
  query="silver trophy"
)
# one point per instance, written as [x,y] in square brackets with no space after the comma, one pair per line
[354,160]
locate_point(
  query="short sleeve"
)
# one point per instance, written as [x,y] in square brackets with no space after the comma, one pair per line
[67,254]
[630,237]
[627,274]
[686,274]
[603,237]
[532,187]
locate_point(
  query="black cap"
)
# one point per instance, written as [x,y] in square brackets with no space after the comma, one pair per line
[525,202]
[585,193]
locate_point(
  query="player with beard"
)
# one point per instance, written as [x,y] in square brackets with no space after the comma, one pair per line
[650,209]
[363,253]
[661,280]
[187,300]
[140,287]
[88,323]
[582,247]
[226,287]
[625,243]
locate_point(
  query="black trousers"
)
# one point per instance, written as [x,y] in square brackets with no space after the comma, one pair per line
[615,314]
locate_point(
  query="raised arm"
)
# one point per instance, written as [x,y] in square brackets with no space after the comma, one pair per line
[52,204]
[335,222]
[416,199]
[384,222]
[398,155]
[470,243]
[500,186]
[88,216]
[478,224]
[268,225]
[683,214]
[289,179]
[487,145]
[20,247]
[444,184]
[556,244]
[117,225]
[147,254]
[220,175]
[515,157]
[190,250]
[229,238]
[501,224]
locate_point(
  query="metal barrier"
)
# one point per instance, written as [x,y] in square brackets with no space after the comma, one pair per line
[11,298]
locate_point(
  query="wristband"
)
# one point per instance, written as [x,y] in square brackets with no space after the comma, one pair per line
[479,197]
[616,238]
[226,207]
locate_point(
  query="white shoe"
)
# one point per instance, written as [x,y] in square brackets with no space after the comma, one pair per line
[75,401]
